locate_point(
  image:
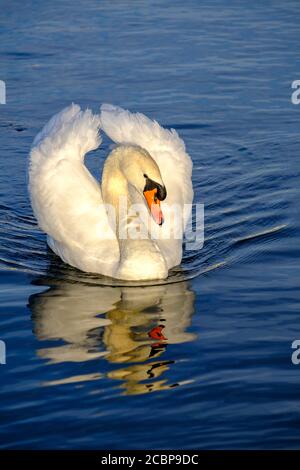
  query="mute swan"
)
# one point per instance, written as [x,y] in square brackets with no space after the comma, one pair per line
[149,166]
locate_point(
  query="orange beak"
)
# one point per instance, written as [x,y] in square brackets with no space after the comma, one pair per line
[154,205]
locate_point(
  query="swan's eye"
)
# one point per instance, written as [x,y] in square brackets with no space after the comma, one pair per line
[155,199]
[145,176]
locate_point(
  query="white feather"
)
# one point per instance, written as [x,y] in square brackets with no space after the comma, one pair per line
[65,197]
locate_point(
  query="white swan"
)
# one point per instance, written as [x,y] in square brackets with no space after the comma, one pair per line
[150,165]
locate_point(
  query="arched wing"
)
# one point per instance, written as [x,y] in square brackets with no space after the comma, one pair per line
[65,197]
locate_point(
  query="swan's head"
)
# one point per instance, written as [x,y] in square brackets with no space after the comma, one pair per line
[142,172]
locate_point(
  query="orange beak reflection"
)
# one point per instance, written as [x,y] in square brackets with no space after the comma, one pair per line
[154,205]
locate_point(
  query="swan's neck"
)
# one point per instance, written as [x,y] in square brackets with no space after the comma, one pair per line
[117,193]
[114,185]
[134,253]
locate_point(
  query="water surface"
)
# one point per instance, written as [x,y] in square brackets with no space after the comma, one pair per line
[203,363]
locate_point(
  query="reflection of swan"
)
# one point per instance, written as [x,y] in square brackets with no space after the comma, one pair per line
[118,324]
[150,165]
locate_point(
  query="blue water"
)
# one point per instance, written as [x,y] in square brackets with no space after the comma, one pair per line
[81,370]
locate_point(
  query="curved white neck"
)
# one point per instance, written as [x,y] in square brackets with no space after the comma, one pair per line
[137,249]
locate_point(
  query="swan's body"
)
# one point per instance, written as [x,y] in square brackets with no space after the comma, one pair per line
[69,203]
